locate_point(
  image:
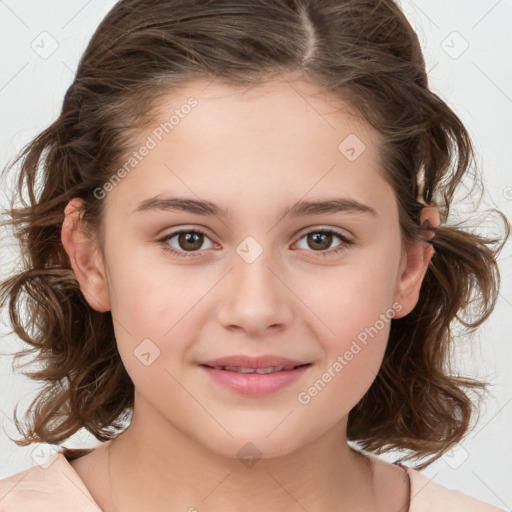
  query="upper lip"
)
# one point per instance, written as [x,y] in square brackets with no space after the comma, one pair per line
[244,361]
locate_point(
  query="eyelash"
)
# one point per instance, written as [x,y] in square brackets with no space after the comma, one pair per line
[183,254]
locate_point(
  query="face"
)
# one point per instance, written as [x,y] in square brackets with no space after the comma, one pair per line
[257,276]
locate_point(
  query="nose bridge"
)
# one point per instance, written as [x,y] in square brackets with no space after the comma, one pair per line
[257,298]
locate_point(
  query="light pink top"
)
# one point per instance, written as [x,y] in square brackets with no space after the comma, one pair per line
[54,486]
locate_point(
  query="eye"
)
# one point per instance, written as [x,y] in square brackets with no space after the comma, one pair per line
[321,239]
[188,241]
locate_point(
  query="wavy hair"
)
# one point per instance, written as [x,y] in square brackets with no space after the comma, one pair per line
[363,51]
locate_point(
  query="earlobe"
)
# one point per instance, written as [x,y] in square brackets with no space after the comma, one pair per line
[415,264]
[84,257]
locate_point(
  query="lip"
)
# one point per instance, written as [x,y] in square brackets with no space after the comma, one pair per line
[254,384]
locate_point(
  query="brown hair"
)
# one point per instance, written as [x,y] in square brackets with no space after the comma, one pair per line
[362,51]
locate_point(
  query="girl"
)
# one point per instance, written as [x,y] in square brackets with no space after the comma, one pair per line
[240,248]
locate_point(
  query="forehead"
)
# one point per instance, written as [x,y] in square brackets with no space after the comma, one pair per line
[262,110]
[281,138]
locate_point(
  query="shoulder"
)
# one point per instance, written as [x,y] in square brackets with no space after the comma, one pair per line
[429,496]
[53,486]
[425,495]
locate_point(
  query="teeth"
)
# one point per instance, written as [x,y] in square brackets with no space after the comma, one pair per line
[240,370]
[259,371]
[269,370]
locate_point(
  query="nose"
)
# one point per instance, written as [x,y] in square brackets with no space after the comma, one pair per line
[255,297]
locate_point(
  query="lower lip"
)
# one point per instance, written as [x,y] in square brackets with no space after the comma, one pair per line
[255,384]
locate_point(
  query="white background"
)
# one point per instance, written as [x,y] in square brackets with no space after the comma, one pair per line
[475,81]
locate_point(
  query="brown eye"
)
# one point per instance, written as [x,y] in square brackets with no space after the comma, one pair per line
[190,241]
[319,241]
[187,241]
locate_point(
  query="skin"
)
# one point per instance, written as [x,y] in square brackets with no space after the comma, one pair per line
[254,151]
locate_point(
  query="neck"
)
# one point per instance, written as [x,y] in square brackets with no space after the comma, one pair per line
[171,471]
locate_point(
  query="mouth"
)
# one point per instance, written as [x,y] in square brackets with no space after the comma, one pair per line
[255,381]
[259,371]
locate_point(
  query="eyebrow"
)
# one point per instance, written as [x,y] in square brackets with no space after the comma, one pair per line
[300,208]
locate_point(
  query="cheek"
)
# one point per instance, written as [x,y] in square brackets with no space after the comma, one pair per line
[356,308]
[354,347]
[354,297]
[154,313]
[149,299]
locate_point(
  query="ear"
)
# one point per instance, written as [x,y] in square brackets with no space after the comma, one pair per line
[415,263]
[85,257]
